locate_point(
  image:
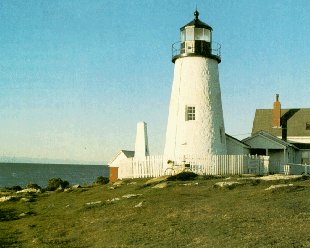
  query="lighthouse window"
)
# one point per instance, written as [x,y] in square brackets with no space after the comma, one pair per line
[190,113]
[308,126]
[221,135]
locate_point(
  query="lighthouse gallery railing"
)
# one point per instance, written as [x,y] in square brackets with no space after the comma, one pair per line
[177,50]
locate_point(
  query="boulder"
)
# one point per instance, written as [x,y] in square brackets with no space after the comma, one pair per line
[93,203]
[113,200]
[161,185]
[280,177]
[118,183]
[59,189]
[6,198]
[29,190]
[228,185]
[131,195]
[272,187]
[25,199]
[156,180]
[131,183]
[139,205]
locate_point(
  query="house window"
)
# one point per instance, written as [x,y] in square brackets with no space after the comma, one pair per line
[190,113]
[305,155]
[308,126]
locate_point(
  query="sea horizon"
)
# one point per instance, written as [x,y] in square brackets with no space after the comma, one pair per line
[23,173]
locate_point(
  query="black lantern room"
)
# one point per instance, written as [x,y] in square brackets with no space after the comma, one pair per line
[196,40]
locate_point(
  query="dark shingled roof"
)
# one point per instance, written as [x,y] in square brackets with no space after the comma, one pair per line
[294,119]
[197,24]
[128,154]
[302,146]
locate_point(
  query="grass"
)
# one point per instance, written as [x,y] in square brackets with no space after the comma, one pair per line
[185,214]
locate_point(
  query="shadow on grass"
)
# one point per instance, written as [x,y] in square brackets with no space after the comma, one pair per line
[183,176]
[9,239]
[287,189]
[8,214]
[95,206]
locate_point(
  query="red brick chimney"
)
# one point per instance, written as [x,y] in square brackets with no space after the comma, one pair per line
[276,113]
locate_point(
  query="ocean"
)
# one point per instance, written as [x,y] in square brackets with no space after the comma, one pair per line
[12,174]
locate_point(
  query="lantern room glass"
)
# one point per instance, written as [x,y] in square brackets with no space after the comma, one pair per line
[202,34]
[199,34]
[183,35]
[191,33]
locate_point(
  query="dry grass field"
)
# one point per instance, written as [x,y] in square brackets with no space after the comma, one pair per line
[191,213]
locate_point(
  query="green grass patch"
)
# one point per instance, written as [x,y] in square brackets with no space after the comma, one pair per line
[193,214]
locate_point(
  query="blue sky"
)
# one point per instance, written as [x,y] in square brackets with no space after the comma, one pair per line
[76,76]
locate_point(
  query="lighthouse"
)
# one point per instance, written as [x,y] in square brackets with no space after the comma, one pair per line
[195,122]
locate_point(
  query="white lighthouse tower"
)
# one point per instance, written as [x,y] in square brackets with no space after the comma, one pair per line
[195,123]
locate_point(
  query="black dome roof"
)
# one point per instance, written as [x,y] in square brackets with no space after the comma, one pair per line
[197,23]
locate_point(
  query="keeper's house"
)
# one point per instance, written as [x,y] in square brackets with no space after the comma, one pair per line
[282,134]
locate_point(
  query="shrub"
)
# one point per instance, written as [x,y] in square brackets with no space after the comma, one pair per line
[14,188]
[305,177]
[65,184]
[55,183]
[183,176]
[102,180]
[33,186]
[209,177]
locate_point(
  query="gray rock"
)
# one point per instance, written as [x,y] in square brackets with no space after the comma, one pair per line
[226,184]
[113,200]
[93,203]
[139,205]
[29,190]
[156,180]
[131,195]
[25,199]
[131,183]
[118,183]
[6,198]
[161,185]
[279,186]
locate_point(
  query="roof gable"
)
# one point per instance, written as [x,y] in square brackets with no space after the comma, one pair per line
[264,140]
[122,154]
[239,142]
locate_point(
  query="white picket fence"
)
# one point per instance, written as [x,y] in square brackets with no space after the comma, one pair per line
[154,166]
[296,169]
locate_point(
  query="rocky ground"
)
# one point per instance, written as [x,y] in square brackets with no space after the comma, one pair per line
[247,211]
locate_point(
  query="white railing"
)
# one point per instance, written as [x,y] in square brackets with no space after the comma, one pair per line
[154,166]
[296,169]
[215,50]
